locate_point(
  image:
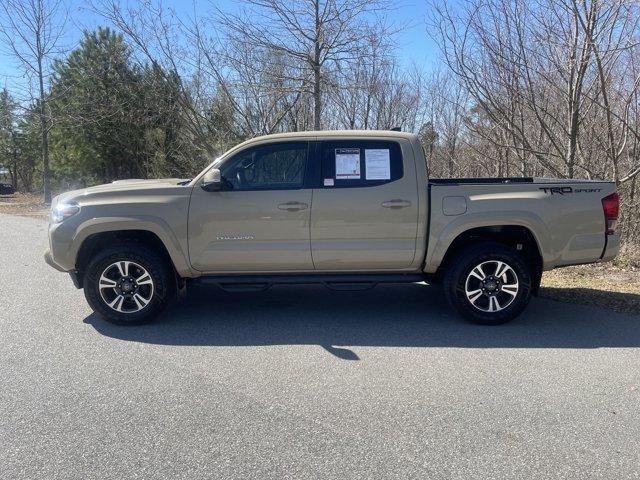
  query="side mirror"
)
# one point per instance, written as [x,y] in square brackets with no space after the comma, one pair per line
[212,181]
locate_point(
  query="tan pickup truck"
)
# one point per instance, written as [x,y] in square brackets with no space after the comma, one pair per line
[348,209]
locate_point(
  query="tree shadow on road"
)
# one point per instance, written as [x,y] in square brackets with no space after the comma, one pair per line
[413,315]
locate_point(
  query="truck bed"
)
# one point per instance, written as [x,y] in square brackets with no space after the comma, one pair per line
[565,216]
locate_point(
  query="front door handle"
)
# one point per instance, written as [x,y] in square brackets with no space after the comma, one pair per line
[396,203]
[293,206]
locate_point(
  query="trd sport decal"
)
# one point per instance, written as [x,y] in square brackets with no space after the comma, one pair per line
[563,190]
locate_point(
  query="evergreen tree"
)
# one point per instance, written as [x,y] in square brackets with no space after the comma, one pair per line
[8,153]
[115,119]
[94,97]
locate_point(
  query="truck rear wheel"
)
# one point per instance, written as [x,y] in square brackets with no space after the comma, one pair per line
[488,283]
[128,284]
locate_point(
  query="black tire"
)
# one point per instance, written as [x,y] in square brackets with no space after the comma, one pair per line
[159,293]
[458,277]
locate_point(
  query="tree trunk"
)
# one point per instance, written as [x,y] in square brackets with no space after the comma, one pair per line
[14,176]
[46,182]
[13,169]
[317,105]
[573,140]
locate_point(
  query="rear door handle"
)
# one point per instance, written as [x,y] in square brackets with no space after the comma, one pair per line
[293,206]
[396,203]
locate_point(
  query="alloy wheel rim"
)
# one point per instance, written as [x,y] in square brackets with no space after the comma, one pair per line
[126,287]
[491,286]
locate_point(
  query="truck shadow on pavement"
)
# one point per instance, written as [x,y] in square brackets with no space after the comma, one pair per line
[415,315]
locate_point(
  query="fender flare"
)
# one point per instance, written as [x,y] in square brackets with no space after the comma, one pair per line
[155,225]
[441,241]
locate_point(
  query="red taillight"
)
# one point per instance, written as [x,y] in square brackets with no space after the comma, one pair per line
[611,208]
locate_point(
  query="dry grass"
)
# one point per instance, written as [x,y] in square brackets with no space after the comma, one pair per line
[605,285]
[25,204]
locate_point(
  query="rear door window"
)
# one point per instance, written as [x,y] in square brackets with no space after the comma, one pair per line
[360,163]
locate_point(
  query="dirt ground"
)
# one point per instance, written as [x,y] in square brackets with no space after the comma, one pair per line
[615,286]
[25,204]
[604,285]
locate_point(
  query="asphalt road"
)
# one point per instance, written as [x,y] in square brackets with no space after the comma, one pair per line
[303,382]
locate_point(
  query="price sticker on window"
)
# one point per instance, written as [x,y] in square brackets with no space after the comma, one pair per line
[347,163]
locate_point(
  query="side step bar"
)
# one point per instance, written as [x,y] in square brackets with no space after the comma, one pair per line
[256,283]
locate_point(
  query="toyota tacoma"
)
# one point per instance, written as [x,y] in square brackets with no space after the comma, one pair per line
[347,209]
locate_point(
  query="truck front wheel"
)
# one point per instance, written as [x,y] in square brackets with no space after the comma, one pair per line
[488,283]
[128,284]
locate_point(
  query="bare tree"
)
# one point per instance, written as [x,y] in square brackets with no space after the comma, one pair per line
[258,83]
[554,87]
[373,92]
[32,30]
[447,108]
[313,35]
[161,38]
[615,52]
[532,67]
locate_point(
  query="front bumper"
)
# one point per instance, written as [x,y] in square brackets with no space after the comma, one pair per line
[48,258]
[76,277]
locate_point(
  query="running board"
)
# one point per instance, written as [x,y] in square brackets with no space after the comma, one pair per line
[350,282]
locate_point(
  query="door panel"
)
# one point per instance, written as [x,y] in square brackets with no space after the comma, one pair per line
[249,231]
[260,221]
[365,225]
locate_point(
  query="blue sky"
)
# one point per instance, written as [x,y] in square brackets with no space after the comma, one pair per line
[413,44]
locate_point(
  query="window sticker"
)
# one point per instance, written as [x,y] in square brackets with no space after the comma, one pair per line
[328,182]
[347,163]
[377,164]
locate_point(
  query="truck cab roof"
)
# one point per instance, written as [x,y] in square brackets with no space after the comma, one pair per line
[336,133]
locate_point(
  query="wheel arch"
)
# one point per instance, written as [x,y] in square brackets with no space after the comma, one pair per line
[150,229]
[94,242]
[517,237]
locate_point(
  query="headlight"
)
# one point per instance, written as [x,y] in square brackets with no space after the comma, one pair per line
[62,211]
